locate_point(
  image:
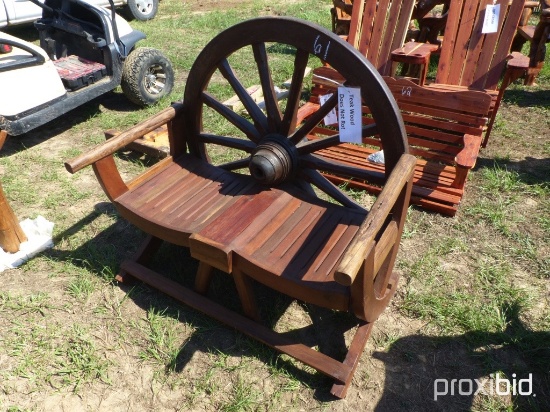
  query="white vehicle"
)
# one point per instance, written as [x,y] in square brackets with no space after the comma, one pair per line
[14,12]
[85,51]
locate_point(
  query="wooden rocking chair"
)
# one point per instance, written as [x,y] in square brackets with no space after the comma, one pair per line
[280,222]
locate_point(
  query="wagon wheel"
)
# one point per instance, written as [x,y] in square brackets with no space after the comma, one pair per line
[268,51]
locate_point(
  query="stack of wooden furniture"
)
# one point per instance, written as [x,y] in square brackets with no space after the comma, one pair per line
[470,66]
[11,234]
[268,215]
[341,16]
[537,36]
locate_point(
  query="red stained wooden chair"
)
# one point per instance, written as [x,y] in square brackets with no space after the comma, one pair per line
[472,60]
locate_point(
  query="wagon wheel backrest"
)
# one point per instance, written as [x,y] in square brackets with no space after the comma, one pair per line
[272,134]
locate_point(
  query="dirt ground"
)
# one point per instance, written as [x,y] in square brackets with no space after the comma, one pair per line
[397,372]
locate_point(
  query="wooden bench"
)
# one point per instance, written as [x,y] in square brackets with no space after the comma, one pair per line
[444,130]
[268,214]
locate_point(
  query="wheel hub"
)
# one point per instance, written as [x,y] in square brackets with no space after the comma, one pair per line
[274,161]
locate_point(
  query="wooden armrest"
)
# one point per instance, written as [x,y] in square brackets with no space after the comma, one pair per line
[414,53]
[116,143]
[364,240]
[305,111]
[468,155]
[516,60]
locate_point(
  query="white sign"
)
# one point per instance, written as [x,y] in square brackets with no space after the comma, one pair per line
[490,23]
[349,114]
[331,117]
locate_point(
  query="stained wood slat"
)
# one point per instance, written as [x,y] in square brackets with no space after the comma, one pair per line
[379,27]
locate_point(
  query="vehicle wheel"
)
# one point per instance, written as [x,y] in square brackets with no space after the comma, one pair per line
[147,75]
[143,9]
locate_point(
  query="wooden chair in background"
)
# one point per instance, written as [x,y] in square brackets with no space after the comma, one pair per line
[472,60]
[378,27]
[537,36]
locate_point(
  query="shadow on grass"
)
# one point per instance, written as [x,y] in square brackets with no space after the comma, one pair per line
[111,100]
[103,254]
[531,171]
[15,144]
[415,366]
[528,97]
[444,373]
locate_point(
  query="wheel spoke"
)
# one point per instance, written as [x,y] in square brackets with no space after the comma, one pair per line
[314,119]
[318,144]
[236,164]
[295,92]
[250,105]
[240,122]
[270,98]
[317,179]
[334,140]
[339,168]
[240,144]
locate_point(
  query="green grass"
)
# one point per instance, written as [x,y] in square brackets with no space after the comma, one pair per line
[473,287]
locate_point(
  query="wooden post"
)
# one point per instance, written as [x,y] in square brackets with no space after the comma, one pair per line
[3,137]
[11,234]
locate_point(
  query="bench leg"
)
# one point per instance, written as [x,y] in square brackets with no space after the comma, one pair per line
[341,372]
[246,294]
[352,358]
[11,234]
[142,256]
[204,276]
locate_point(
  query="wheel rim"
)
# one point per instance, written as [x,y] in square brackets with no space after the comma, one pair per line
[144,7]
[155,79]
[268,145]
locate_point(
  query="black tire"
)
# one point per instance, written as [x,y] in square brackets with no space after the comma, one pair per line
[147,76]
[142,9]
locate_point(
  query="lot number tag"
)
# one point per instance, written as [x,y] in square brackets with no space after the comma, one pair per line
[490,23]
[349,114]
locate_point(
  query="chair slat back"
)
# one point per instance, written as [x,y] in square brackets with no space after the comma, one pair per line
[378,27]
[468,56]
